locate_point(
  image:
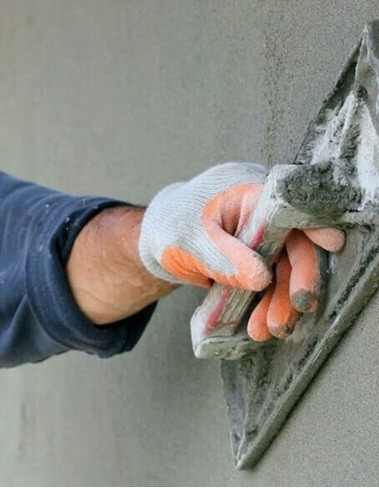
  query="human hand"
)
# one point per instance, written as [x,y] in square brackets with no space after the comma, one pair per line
[297,283]
[190,235]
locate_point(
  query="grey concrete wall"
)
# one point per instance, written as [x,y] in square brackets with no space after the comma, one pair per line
[119,98]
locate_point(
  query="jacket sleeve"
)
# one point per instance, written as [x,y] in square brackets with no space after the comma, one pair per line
[38,315]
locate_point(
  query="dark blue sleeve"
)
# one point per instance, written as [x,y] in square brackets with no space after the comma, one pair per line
[38,315]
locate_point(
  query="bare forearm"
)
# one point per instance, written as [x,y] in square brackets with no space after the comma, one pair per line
[104,270]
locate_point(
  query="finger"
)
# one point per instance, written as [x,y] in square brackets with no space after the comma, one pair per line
[305,282]
[251,271]
[257,325]
[329,239]
[282,315]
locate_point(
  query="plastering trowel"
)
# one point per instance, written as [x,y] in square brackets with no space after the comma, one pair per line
[333,181]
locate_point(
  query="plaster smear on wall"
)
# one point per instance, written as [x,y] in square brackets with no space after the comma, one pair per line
[262,388]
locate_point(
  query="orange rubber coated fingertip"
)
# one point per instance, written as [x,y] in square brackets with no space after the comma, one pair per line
[305,280]
[329,239]
[257,325]
[282,315]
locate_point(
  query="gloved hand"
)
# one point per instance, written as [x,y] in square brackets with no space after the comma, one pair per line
[190,231]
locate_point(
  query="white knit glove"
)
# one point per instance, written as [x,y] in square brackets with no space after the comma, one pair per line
[189,232]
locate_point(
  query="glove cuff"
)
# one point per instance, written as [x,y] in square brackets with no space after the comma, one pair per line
[149,244]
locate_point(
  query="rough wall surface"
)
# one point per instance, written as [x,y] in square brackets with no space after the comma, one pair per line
[119,98]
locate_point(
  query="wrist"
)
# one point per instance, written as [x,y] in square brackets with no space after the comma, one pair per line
[106,275]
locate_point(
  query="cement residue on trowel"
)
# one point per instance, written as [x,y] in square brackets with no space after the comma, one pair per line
[326,147]
[367,158]
[324,191]
[347,134]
